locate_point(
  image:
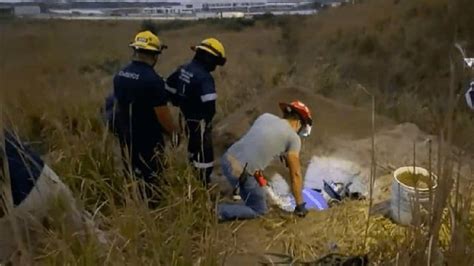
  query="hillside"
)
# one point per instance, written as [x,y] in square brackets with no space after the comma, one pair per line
[399,50]
[55,74]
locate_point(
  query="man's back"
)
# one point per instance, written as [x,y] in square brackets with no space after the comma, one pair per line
[193,89]
[269,136]
[138,89]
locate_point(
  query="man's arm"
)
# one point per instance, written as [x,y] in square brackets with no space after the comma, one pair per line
[208,98]
[293,161]
[159,99]
[163,115]
[171,87]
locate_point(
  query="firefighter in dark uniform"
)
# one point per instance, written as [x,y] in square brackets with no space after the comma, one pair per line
[143,116]
[192,88]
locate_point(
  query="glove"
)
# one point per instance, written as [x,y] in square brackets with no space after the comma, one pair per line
[300,210]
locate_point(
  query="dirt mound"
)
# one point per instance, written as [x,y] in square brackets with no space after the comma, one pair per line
[333,122]
[340,131]
[331,119]
[393,148]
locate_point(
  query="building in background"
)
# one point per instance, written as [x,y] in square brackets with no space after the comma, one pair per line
[6,11]
[331,3]
[26,10]
[167,9]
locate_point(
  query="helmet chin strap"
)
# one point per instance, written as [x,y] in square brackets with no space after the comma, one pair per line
[304,131]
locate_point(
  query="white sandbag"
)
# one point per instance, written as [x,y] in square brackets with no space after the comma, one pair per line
[336,170]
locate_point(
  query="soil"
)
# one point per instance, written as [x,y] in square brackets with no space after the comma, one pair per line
[339,131]
[415,180]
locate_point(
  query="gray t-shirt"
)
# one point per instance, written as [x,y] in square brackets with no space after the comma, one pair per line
[269,137]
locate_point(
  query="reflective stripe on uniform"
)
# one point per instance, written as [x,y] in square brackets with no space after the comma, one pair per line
[470,96]
[203,165]
[209,97]
[170,89]
[194,120]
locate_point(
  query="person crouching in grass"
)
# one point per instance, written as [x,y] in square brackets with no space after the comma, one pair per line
[31,193]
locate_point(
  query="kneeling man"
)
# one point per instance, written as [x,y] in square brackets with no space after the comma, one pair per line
[269,137]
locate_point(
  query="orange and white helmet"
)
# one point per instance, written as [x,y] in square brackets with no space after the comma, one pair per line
[303,112]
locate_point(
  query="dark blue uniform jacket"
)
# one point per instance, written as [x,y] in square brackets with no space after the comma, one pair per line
[24,166]
[137,90]
[191,87]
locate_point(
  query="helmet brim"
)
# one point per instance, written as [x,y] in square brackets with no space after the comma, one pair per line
[220,60]
[140,46]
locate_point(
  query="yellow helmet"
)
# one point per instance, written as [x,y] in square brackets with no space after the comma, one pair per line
[146,40]
[214,47]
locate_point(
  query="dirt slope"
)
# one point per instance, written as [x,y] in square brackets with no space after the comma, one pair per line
[330,118]
[340,131]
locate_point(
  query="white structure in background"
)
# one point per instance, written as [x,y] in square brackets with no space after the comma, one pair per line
[174,10]
[203,9]
[207,8]
[26,10]
[216,5]
[81,12]
[283,4]
[232,14]
[186,9]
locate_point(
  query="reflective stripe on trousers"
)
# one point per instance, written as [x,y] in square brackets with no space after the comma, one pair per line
[200,149]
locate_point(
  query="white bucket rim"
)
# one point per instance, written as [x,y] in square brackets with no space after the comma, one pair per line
[420,170]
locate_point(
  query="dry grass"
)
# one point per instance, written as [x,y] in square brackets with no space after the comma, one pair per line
[398,49]
[54,79]
[55,75]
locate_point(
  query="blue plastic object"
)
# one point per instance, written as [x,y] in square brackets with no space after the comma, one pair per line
[314,200]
